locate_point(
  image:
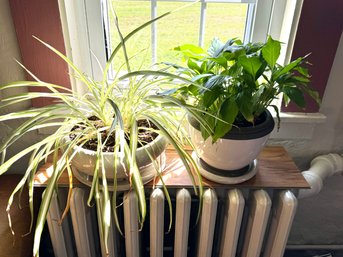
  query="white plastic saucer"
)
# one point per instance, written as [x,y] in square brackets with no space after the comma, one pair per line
[148,172]
[223,178]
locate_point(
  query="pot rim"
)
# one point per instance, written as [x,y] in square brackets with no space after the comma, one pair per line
[158,139]
[246,133]
[254,131]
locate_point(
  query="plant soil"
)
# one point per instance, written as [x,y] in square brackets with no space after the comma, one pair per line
[241,122]
[146,134]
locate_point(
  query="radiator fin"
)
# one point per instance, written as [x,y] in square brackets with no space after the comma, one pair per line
[232,223]
[60,235]
[156,223]
[207,223]
[131,225]
[182,216]
[282,219]
[241,227]
[82,219]
[260,205]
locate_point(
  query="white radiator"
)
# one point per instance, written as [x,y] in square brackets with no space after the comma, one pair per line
[244,223]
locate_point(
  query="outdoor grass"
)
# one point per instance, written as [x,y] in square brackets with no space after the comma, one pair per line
[223,20]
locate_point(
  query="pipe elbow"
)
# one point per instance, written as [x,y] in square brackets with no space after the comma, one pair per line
[327,165]
[315,182]
[321,167]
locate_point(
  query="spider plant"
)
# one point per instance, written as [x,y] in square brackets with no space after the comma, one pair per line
[118,110]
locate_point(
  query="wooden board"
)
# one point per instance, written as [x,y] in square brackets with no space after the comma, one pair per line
[276,170]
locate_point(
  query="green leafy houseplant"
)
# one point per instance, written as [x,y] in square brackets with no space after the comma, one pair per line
[108,116]
[239,81]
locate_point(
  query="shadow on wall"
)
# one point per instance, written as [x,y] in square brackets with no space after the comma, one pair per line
[18,246]
[318,220]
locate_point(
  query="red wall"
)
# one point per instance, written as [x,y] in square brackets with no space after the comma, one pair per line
[319,31]
[40,18]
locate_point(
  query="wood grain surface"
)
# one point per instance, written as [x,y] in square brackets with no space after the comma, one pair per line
[276,170]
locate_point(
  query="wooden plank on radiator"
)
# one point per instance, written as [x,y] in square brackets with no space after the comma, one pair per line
[156,223]
[276,170]
[281,223]
[207,223]
[182,216]
[260,205]
[232,222]
[131,224]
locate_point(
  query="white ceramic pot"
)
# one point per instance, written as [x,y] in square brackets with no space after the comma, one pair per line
[237,149]
[84,160]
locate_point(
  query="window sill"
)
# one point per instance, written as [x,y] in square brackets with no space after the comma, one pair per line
[296,125]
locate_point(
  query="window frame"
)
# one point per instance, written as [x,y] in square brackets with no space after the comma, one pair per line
[328,14]
[83,28]
[281,25]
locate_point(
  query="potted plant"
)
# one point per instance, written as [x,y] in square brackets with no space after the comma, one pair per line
[238,84]
[120,126]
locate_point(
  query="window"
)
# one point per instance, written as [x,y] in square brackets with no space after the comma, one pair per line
[87,23]
[319,19]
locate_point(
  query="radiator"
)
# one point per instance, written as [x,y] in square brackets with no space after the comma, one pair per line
[236,222]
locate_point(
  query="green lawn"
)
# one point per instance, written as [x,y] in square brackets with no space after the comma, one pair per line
[222,20]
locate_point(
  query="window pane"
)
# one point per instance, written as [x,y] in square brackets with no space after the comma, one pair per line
[225,21]
[132,14]
[179,28]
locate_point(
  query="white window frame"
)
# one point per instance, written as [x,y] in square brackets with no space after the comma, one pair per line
[83,30]
[83,27]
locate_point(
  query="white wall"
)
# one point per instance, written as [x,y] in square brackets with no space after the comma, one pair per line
[327,136]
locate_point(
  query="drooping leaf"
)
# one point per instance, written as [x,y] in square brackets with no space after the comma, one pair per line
[301,79]
[237,49]
[220,60]
[206,133]
[214,81]
[184,156]
[261,70]
[250,64]
[286,68]
[234,70]
[303,71]
[228,112]
[210,96]
[247,111]
[252,48]
[314,94]
[271,51]
[193,65]
[286,99]
[295,95]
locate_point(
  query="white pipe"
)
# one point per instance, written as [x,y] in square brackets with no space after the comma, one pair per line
[321,167]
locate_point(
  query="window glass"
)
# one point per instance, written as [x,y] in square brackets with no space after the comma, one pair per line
[131,14]
[179,28]
[222,20]
[225,21]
